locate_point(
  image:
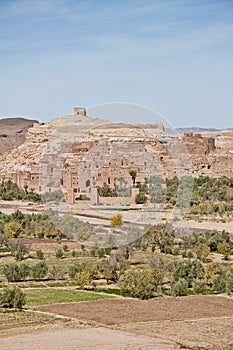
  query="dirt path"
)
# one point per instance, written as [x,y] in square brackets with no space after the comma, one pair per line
[85,339]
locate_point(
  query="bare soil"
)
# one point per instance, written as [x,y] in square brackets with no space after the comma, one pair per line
[194,322]
[124,311]
[86,339]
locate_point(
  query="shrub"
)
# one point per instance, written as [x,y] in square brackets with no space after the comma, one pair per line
[175,250]
[12,297]
[202,250]
[188,270]
[73,253]
[223,281]
[65,248]
[39,270]
[189,254]
[40,254]
[101,252]
[16,272]
[141,284]
[224,248]
[199,286]
[59,254]
[184,254]
[180,287]
[116,220]
[56,273]
[167,250]
[140,198]
[211,270]
[74,268]
[19,249]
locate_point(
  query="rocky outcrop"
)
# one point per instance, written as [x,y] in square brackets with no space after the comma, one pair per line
[12,133]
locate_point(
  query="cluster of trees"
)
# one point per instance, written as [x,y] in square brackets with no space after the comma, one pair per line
[18,224]
[11,191]
[47,224]
[17,272]
[190,244]
[209,195]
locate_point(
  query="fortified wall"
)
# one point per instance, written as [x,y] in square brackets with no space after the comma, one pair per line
[78,154]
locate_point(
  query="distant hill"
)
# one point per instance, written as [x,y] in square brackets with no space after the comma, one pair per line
[12,132]
[200,130]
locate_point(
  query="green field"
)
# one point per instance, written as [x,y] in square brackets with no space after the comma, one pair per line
[46,296]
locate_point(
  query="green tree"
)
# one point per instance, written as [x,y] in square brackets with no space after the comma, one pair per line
[39,270]
[12,297]
[160,235]
[224,248]
[180,287]
[202,250]
[141,284]
[133,174]
[140,198]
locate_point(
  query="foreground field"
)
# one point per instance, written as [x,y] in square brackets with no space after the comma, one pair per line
[193,322]
[86,339]
[124,311]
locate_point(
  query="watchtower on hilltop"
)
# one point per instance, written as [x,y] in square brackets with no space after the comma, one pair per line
[80,111]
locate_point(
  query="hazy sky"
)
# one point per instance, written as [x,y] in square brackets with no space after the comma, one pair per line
[173,56]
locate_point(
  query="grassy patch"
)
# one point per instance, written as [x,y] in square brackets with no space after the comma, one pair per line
[5,250]
[47,296]
[113,291]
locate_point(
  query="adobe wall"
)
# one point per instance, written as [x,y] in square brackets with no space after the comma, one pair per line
[93,156]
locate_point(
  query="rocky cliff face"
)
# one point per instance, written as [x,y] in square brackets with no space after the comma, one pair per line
[12,133]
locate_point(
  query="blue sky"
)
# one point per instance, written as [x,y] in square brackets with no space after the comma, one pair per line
[174,56]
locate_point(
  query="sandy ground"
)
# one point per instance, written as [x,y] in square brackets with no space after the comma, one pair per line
[85,339]
[209,334]
[102,217]
[194,322]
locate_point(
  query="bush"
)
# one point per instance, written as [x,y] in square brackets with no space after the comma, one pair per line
[141,284]
[19,249]
[223,281]
[59,254]
[56,273]
[39,270]
[189,254]
[73,253]
[180,287]
[175,250]
[65,248]
[199,286]
[16,272]
[116,220]
[40,254]
[167,250]
[74,268]
[140,198]
[12,297]
[224,248]
[188,270]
